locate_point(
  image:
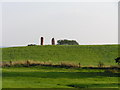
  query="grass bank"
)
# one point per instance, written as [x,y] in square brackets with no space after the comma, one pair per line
[83,54]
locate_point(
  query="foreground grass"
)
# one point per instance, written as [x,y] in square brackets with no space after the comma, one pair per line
[83,54]
[50,77]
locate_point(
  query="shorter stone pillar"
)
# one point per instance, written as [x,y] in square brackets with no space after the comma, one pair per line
[53,41]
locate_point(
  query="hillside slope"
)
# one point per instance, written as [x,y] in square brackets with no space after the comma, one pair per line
[84,54]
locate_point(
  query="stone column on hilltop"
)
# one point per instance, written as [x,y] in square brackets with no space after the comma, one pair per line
[53,41]
[42,40]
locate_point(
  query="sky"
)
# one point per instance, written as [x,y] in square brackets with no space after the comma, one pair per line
[86,22]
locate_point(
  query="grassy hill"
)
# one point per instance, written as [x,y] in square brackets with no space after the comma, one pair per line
[84,54]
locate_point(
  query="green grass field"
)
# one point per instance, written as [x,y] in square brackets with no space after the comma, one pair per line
[84,54]
[49,77]
[53,77]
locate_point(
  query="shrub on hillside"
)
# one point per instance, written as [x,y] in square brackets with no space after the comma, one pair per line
[67,42]
[31,44]
[68,64]
[100,64]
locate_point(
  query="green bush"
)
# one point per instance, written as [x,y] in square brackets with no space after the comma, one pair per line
[67,42]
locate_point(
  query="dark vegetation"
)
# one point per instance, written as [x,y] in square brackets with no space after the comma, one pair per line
[29,63]
[31,44]
[67,42]
[117,60]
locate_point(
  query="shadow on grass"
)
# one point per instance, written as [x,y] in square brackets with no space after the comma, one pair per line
[71,75]
[94,85]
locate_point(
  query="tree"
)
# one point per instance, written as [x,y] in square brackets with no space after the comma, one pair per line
[117,60]
[67,42]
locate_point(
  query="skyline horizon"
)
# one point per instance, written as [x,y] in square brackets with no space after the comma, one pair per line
[56,44]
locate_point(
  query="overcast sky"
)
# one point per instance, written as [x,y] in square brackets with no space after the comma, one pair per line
[85,22]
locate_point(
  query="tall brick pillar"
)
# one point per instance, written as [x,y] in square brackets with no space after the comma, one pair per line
[42,40]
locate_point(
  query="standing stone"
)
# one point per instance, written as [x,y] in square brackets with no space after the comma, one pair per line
[42,40]
[53,41]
